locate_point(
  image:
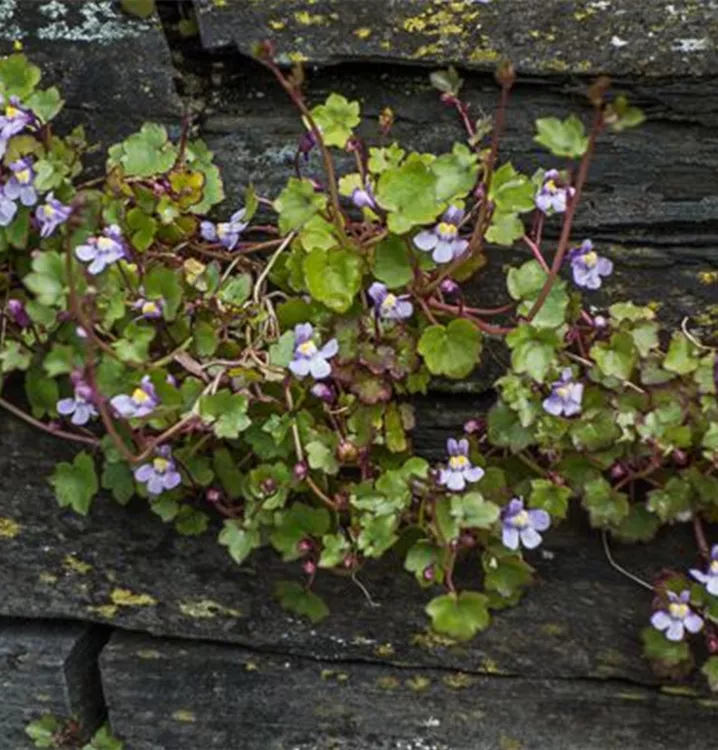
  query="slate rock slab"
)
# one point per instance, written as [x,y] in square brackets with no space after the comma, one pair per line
[174,695]
[48,667]
[617,37]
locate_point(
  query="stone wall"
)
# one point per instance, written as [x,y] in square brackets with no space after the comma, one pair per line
[116,613]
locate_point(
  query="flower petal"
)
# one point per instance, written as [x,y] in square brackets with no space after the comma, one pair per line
[510,537]
[319,367]
[675,631]
[329,349]
[144,472]
[474,474]
[455,481]
[661,620]
[530,538]
[426,241]
[693,623]
[540,519]
[300,367]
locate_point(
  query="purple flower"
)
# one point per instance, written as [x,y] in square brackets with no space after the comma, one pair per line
[588,266]
[553,194]
[678,618]
[103,251]
[443,241]
[161,474]
[566,396]
[17,313]
[521,526]
[388,305]
[8,209]
[13,121]
[449,287]
[142,402]
[308,357]
[150,309]
[51,214]
[20,185]
[80,406]
[460,469]
[710,577]
[227,233]
[364,197]
[324,392]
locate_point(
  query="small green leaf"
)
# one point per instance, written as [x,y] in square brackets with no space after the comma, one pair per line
[321,456]
[14,356]
[76,484]
[42,393]
[455,173]
[295,598]
[42,731]
[226,412]
[710,670]
[139,8]
[146,153]
[459,616]
[336,119]
[617,358]
[392,262]
[473,512]
[512,192]
[452,350]
[605,506]
[117,477]
[18,77]
[551,497]
[46,104]
[225,467]
[239,541]
[296,524]
[333,277]
[640,525]
[681,356]
[620,115]
[205,339]
[165,284]
[505,229]
[297,203]
[335,548]
[673,501]
[562,138]
[190,521]
[144,228]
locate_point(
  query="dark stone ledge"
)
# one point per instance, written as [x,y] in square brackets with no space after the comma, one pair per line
[172,695]
[553,36]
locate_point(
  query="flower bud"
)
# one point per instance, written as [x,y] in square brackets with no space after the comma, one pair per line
[309,567]
[467,540]
[304,546]
[429,573]
[473,426]
[17,313]
[268,486]
[324,392]
[618,471]
[680,458]
[300,471]
[213,495]
[347,452]
[449,287]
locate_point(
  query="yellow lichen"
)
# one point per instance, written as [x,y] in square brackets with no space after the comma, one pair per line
[384,650]
[388,683]
[491,667]
[305,18]
[708,277]
[552,628]
[127,598]
[75,565]
[362,33]
[509,743]
[432,640]
[46,577]
[104,610]
[206,609]
[457,681]
[250,666]
[332,674]
[277,25]
[297,57]
[148,653]
[418,684]
[630,695]
[184,715]
[9,529]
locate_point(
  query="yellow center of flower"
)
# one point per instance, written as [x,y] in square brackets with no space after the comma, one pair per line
[160,465]
[590,259]
[150,308]
[23,176]
[105,244]
[308,348]
[389,301]
[678,611]
[222,230]
[448,230]
[521,520]
[140,397]
[714,568]
[550,185]
[458,462]
[11,111]
[563,391]
[49,211]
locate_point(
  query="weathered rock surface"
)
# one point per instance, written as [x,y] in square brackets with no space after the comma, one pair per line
[48,667]
[555,36]
[233,698]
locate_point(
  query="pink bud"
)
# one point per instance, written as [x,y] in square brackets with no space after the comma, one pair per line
[618,471]
[429,573]
[473,426]
[309,567]
[304,546]
[213,495]
[300,471]
[269,486]
[449,286]
[680,458]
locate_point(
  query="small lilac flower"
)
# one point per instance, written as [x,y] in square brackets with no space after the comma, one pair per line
[17,313]
[14,119]
[8,209]
[80,406]
[324,392]
[161,474]
[678,618]
[364,197]
[103,251]
[20,185]
[521,526]
[566,396]
[150,309]
[388,305]
[443,241]
[460,469]
[228,232]
[710,578]
[308,357]
[588,266]
[553,194]
[51,214]
[449,287]
[142,402]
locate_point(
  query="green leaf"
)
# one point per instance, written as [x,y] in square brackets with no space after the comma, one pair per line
[18,77]
[294,525]
[225,466]
[640,525]
[455,173]
[620,115]
[76,484]
[146,153]
[533,351]
[669,654]
[295,598]
[681,356]
[240,542]
[144,228]
[42,731]
[333,277]
[562,138]
[47,278]
[322,457]
[673,501]
[392,262]
[42,393]
[408,193]
[336,119]
[526,281]
[421,556]
[506,575]
[617,358]
[473,512]
[46,104]
[710,670]
[282,352]
[139,8]
[205,339]
[512,192]
[103,740]
[165,284]
[710,438]
[551,497]
[335,548]
[387,157]
[60,360]
[135,344]
[117,477]
[297,203]
[628,311]
[605,506]
[505,229]
[226,412]
[318,233]
[452,350]
[190,521]
[13,356]
[506,430]
[446,81]
[459,616]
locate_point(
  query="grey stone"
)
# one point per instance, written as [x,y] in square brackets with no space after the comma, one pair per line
[554,36]
[173,695]
[48,667]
